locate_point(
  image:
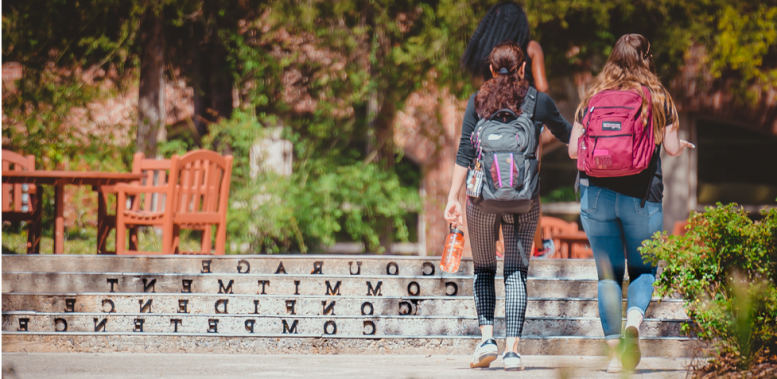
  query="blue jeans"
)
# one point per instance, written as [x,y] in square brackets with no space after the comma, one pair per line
[616,225]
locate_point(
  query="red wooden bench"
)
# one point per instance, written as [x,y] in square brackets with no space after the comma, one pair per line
[569,240]
[22,202]
[193,195]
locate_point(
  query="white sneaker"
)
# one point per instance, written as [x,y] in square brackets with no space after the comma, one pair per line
[485,353]
[615,366]
[512,361]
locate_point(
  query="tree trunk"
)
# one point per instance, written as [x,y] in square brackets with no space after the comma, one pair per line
[151,91]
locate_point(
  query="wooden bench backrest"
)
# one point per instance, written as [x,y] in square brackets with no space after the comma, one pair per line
[16,196]
[552,226]
[157,173]
[202,183]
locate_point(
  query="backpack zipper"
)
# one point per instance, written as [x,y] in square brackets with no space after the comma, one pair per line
[596,139]
[617,135]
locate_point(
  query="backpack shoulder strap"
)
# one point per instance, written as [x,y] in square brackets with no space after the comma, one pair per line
[529,102]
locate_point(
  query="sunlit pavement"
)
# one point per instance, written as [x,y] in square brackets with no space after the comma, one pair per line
[121,366]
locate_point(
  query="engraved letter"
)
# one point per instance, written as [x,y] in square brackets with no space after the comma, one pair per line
[264,283]
[328,309]
[139,325]
[240,264]
[289,330]
[332,291]
[227,289]
[429,265]
[365,305]
[183,306]
[113,282]
[256,307]
[371,325]
[98,325]
[23,324]
[250,325]
[213,325]
[417,289]
[187,286]
[60,325]
[405,308]
[317,267]
[145,307]
[175,322]
[290,306]
[296,287]
[330,325]
[389,271]
[149,284]
[374,291]
[358,268]
[221,302]
[70,305]
[205,266]
[113,306]
[281,269]
[451,285]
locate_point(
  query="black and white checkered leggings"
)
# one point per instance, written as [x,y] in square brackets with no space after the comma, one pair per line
[518,233]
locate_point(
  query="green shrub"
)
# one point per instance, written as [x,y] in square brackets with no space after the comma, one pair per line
[327,193]
[725,268]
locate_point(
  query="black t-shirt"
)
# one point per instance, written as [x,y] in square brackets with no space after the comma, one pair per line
[648,182]
[545,112]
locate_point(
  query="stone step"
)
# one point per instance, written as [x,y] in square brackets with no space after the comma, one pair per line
[292,264]
[312,325]
[279,284]
[283,305]
[108,342]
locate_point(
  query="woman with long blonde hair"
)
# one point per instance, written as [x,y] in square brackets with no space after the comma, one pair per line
[620,212]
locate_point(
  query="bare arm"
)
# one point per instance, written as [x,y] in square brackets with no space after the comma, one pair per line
[538,66]
[577,132]
[672,143]
[453,210]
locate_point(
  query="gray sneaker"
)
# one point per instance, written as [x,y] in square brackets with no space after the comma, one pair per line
[485,353]
[512,361]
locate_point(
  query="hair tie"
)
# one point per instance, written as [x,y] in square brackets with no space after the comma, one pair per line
[503,71]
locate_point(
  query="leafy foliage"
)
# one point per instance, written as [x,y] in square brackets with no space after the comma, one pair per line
[332,75]
[273,213]
[725,268]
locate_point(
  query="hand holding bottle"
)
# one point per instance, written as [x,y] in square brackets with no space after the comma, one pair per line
[453,213]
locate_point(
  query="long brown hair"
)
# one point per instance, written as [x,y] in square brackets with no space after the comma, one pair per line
[630,67]
[506,90]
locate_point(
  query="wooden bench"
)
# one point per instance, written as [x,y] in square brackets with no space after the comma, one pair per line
[22,202]
[193,196]
[569,240]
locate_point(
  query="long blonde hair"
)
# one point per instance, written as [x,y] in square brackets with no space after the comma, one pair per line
[630,67]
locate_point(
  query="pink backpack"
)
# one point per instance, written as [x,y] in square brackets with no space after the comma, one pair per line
[614,142]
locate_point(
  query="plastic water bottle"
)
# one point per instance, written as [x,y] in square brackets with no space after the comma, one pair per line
[454,246]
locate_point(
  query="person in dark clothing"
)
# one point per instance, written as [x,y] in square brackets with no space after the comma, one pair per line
[506,90]
[619,213]
[505,22]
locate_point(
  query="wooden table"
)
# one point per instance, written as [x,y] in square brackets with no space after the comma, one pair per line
[59,179]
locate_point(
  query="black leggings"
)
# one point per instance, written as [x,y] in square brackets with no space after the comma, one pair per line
[484,231]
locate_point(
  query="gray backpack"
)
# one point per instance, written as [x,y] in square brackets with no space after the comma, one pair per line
[507,156]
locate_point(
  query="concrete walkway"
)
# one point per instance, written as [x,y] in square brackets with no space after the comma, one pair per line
[125,366]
